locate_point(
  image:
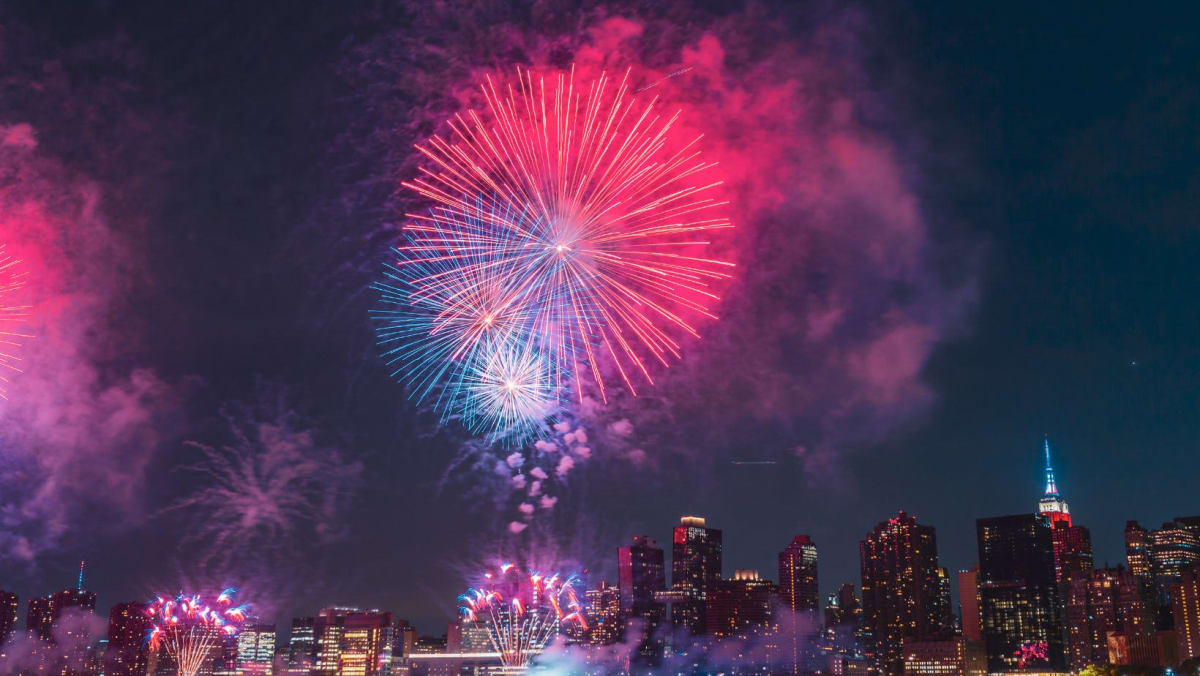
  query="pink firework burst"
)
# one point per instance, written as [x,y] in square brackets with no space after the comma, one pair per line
[575,200]
[189,626]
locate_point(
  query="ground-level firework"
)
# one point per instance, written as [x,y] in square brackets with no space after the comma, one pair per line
[522,611]
[569,227]
[190,627]
[12,315]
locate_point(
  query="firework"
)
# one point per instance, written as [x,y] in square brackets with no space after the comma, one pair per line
[273,486]
[1030,652]
[563,222]
[189,627]
[12,278]
[522,611]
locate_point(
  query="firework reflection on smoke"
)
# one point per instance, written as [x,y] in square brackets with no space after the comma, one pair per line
[12,316]
[188,627]
[522,610]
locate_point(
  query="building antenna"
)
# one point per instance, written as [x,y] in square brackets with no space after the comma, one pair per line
[80,585]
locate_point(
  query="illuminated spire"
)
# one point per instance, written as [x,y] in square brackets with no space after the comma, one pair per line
[80,585]
[1051,488]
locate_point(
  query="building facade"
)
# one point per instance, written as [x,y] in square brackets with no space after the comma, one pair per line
[641,573]
[944,656]
[127,653]
[695,568]
[740,607]
[901,593]
[1019,599]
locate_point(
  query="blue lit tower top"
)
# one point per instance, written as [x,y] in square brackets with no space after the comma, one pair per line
[1051,504]
[1051,487]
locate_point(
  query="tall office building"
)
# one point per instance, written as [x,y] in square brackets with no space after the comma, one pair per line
[256,649]
[1018,594]
[405,641]
[1109,601]
[945,603]
[367,642]
[10,612]
[328,627]
[641,573]
[968,603]
[1174,549]
[38,618]
[901,594]
[1137,550]
[302,646]
[740,607]
[1185,606]
[127,653]
[603,614]
[1072,552]
[798,576]
[695,569]
[798,599]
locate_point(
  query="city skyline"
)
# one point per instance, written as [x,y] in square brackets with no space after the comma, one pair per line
[827,583]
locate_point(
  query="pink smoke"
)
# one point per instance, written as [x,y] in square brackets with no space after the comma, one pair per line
[78,429]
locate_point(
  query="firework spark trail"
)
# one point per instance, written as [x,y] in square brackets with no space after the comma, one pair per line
[188,627]
[12,279]
[522,611]
[663,79]
[564,222]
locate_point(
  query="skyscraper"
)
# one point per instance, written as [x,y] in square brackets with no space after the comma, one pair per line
[603,614]
[968,600]
[1174,549]
[798,575]
[10,611]
[798,623]
[945,604]
[302,646]
[256,649]
[1018,594]
[328,627]
[38,618]
[127,653]
[1185,605]
[641,573]
[1137,550]
[1072,544]
[367,641]
[695,568]
[1109,601]
[740,607]
[1052,506]
[900,588]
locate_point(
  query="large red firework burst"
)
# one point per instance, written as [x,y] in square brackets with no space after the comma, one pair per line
[587,222]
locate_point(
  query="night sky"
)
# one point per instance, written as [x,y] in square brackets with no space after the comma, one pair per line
[960,229]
